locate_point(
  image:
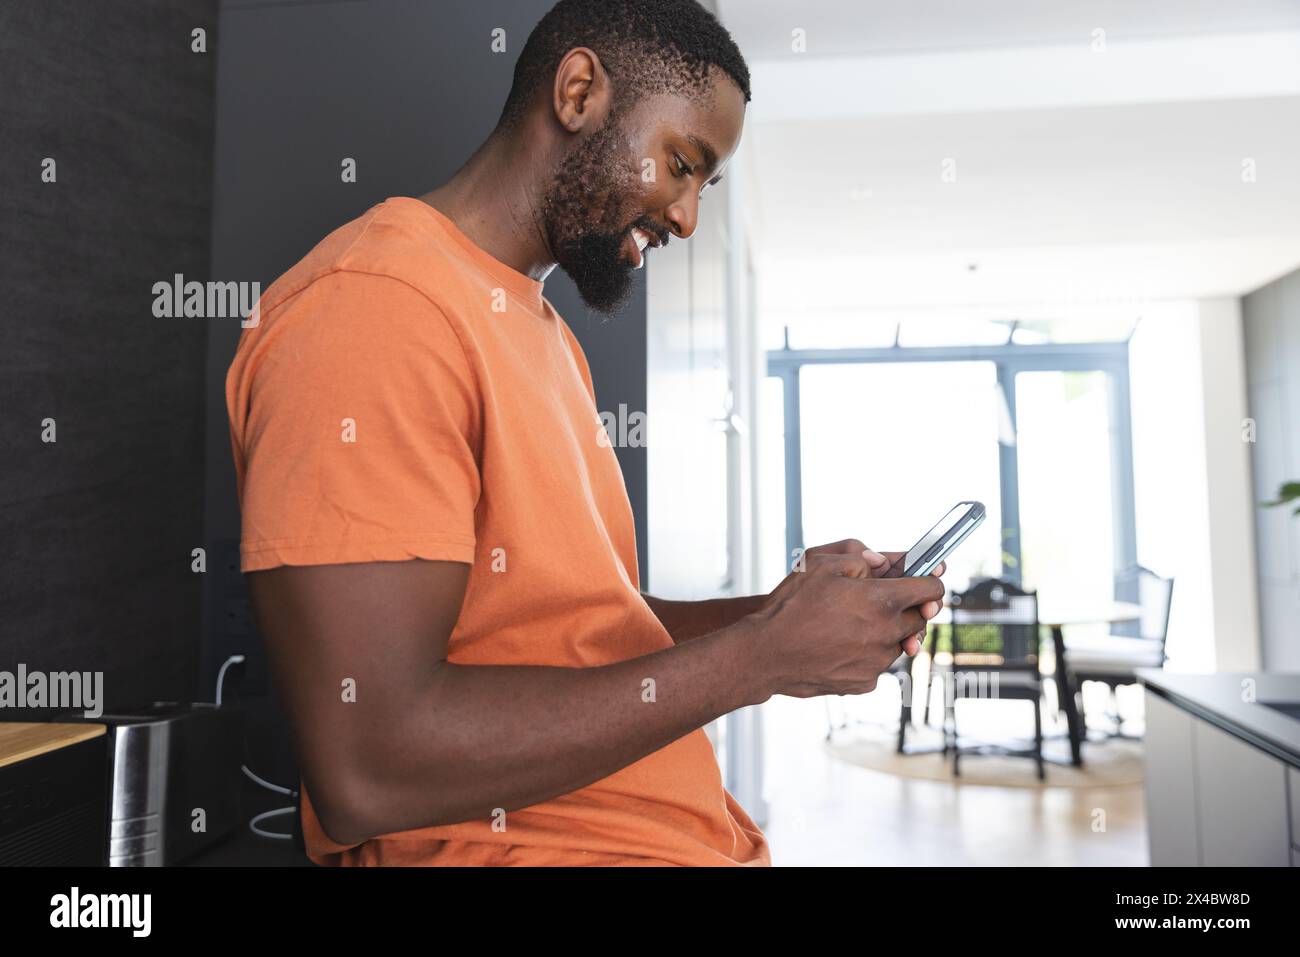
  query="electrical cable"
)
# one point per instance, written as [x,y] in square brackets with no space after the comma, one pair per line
[266,784]
[221,675]
[260,781]
[271,835]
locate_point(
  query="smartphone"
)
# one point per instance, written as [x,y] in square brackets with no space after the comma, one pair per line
[936,544]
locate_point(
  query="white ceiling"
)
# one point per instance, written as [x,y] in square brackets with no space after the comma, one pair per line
[1077,178]
[875,27]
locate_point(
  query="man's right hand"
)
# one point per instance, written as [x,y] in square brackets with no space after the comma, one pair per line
[833,628]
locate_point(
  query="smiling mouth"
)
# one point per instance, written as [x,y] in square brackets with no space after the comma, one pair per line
[640,240]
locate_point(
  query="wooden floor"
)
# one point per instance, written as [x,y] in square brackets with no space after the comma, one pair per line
[825,812]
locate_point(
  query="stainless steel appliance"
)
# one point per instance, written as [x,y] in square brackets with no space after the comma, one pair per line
[174,779]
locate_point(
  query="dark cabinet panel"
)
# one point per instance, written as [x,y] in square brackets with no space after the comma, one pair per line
[107,117]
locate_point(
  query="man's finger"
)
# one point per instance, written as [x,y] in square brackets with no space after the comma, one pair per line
[850,566]
[913,621]
[911,592]
[845,546]
[875,559]
[891,566]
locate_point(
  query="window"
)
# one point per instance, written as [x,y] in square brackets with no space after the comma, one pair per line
[883,440]
[888,448]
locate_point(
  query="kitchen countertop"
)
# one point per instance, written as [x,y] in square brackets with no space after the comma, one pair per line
[1218,699]
[20,741]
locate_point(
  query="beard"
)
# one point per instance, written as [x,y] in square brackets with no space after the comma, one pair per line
[585,215]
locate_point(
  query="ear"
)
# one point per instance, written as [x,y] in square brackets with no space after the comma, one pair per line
[582,96]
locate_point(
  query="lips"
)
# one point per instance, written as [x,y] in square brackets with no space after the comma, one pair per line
[639,239]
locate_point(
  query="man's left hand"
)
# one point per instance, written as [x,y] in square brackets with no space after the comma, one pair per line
[883,565]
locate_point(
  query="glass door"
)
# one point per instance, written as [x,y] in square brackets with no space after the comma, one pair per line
[1067,508]
[888,448]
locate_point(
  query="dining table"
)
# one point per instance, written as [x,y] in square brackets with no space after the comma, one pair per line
[1059,615]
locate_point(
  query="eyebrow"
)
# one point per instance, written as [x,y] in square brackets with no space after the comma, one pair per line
[710,157]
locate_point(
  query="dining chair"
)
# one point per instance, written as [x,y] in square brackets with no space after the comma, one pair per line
[904,671]
[995,644]
[1114,659]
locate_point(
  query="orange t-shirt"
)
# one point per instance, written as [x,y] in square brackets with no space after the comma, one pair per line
[476,404]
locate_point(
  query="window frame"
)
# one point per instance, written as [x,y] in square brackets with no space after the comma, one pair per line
[1111,358]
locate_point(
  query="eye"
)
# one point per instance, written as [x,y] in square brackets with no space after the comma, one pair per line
[683,169]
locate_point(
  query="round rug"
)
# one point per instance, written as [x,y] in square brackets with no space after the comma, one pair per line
[1113,763]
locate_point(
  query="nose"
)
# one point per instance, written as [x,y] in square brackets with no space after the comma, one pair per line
[683,215]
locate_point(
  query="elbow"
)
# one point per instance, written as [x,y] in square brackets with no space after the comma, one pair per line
[342,809]
[353,805]
[347,796]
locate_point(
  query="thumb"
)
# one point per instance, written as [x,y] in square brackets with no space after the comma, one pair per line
[874,559]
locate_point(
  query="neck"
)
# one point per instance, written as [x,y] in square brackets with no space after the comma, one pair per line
[495,199]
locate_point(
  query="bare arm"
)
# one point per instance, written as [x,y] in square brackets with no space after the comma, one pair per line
[429,742]
[685,620]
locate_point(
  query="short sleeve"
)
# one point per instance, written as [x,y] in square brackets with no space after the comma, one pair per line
[355,420]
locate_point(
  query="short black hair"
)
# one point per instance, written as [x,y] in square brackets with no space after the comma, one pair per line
[646,46]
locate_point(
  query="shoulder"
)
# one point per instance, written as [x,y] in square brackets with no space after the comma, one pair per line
[385,277]
[393,244]
[354,312]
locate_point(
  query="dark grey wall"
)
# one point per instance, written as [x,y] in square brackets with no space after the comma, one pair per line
[1272,322]
[408,88]
[97,527]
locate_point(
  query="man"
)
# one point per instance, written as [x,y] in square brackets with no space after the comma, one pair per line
[440,547]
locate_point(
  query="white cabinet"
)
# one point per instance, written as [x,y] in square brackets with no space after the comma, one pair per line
[1293,792]
[1241,802]
[1214,799]
[1171,785]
